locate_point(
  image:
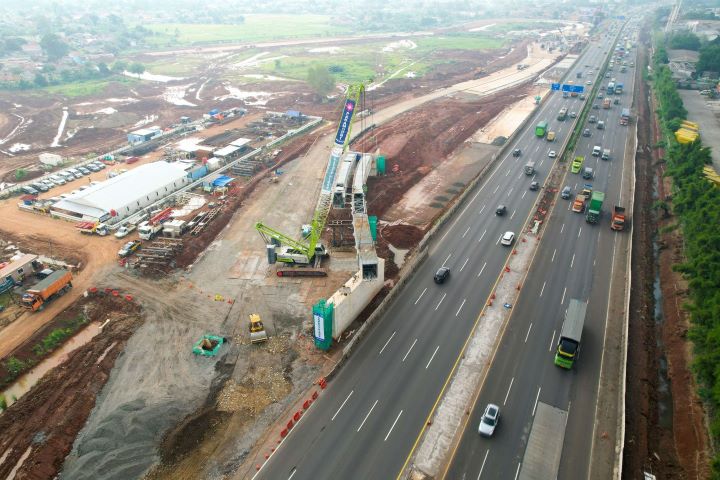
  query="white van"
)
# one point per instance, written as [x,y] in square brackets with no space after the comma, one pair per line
[596,151]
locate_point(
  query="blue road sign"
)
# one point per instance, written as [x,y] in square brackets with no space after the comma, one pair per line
[573,88]
[554,86]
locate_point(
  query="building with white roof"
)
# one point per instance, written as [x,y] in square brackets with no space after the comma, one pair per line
[122,196]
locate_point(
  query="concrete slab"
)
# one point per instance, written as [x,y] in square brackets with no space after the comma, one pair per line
[705,112]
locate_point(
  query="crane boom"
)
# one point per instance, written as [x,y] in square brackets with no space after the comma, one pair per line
[355,93]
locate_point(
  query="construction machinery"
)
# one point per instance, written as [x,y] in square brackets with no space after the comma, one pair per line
[257,329]
[354,100]
[54,285]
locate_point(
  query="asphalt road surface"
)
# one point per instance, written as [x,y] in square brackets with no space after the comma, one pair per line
[367,421]
[574,261]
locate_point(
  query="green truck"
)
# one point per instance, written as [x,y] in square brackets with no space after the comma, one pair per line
[541,129]
[595,207]
[568,347]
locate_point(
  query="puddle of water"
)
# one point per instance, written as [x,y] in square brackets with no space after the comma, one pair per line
[399,255]
[23,384]
[664,398]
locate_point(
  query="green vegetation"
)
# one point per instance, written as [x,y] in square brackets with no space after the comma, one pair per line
[710,57]
[182,66]
[696,203]
[88,87]
[3,403]
[20,174]
[514,26]
[15,367]
[463,41]
[255,28]
[321,80]
[685,41]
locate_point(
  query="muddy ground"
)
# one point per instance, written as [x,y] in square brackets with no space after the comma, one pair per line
[40,428]
[665,429]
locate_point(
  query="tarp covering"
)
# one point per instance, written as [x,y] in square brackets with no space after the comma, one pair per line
[222,181]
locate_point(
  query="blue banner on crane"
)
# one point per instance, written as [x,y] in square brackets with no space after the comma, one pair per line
[345,120]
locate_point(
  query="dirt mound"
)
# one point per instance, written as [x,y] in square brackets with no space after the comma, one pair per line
[40,428]
[402,236]
[416,142]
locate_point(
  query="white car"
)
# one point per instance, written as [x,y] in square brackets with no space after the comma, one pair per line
[489,420]
[508,238]
[589,82]
[551,154]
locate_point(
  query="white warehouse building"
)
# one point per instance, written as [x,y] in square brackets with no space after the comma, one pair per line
[122,196]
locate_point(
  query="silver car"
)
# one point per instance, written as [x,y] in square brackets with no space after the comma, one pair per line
[489,420]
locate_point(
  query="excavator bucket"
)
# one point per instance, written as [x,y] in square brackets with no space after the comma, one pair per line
[257,329]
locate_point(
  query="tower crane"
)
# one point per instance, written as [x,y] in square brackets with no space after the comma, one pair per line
[354,99]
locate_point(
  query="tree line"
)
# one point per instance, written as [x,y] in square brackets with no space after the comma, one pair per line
[696,203]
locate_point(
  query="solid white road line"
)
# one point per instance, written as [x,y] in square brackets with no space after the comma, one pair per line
[528,333]
[553,257]
[431,358]
[483,464]
[483,268]
[508,391]
[552,341]
[517,472]
[421,295]
[481,236]
[572,262]
[341,406]
[366,416]
[562,301]
[461,305]
[408,352]
[542,289]
[393,426]
[537,397]
[463,266]
[441,300]
[386,343]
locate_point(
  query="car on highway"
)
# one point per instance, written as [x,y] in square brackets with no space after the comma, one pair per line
[566,192]
[441,275]
[534,186]
[507,238]
[489,420]
[552,154]
[601,125]
[582,96]
[517,152]
[586,132]
[589,82]
[601,95]
[588,173]
[596,106]
[577,164]
[616,101]
[129,248]
[500,210]
[592,119]
[573,115]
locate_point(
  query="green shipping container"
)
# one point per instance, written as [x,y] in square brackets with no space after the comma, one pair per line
[322,324]
[372,220]
[381,165]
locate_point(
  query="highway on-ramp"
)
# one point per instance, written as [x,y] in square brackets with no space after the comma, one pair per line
[574,261]
[366,422]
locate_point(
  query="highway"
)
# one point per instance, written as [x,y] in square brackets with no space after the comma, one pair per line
[366,422]
[574,260]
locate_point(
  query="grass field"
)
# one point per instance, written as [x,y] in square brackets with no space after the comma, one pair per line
[183,66]
[463,41]
[88,87]
[257,28]
[514,26]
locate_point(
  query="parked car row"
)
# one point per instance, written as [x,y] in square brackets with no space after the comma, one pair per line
[61,178]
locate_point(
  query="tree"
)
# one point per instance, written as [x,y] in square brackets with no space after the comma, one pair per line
[321,80]
[709,59]
[685,41]
[136,67]
[103,69]
[119,66]
[40,80]
[54,47]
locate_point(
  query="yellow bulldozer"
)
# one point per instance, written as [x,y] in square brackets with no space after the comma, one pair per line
[257,329]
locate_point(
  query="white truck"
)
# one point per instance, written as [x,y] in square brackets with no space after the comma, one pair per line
[125,230]
[148,231]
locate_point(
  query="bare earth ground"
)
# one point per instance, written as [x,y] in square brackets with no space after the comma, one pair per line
[665,432]
[226,403]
